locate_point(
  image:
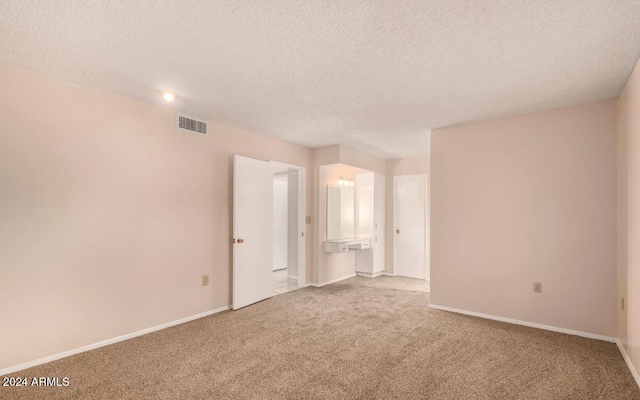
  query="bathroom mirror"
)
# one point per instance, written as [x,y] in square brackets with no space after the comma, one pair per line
[340,213]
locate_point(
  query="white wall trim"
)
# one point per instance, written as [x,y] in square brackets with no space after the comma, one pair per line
[526,323]
[292,277]
[369,275]
[627,359]
[388,273]
[44,360]
[333,281]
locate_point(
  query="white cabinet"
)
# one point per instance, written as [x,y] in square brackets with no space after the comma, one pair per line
[370,202]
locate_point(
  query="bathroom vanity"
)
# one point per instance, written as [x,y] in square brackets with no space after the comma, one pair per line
[355,222]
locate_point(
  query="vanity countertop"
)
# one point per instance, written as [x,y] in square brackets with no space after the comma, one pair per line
[345,240]
[343,245]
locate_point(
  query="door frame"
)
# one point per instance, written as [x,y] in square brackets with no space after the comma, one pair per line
[284,176]
[427,262]
[301,234]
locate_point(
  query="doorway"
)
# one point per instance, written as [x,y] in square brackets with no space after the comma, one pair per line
[285,248]
[410,245]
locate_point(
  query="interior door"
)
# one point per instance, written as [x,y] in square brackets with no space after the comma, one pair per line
[252,231]
[410,252]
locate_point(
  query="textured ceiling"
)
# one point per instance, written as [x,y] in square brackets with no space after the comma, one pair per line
[375,75]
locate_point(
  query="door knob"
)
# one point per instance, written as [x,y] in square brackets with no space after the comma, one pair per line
[240,240]
[397,230]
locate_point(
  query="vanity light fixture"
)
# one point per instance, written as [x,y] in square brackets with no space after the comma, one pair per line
[345,182]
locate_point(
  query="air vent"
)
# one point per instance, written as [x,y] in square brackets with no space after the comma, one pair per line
[190,124]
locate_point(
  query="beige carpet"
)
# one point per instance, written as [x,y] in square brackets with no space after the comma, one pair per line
[347,340]
[396,282]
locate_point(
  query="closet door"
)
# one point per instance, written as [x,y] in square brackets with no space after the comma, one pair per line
[410,244]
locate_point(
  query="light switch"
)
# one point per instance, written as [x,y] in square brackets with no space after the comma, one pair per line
[308,219]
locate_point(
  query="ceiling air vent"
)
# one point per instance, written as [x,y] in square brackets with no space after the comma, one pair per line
[190,124]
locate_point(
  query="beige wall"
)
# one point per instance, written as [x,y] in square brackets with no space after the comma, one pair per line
[109,215]
[523,199]
[397,167]
[356,158]
[629,216]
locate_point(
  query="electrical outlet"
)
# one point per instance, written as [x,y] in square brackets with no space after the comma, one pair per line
[537,287]
[622,303]
[205,280]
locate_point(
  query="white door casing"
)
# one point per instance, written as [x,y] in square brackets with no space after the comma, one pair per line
[252,231]
[280,221]
[410,226]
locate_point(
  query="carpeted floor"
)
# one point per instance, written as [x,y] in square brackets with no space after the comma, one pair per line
[347,340]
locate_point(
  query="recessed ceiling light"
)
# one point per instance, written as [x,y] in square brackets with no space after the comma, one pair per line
[168,96]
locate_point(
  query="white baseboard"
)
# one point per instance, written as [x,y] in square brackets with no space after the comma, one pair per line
[333,281]
[295,278]
[368,274]
[44,360]
[627,359]
[388,273]
[526,323]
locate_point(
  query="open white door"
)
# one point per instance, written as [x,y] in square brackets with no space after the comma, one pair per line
[252,231]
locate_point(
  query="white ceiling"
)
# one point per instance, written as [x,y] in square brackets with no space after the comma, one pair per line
[375,75]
